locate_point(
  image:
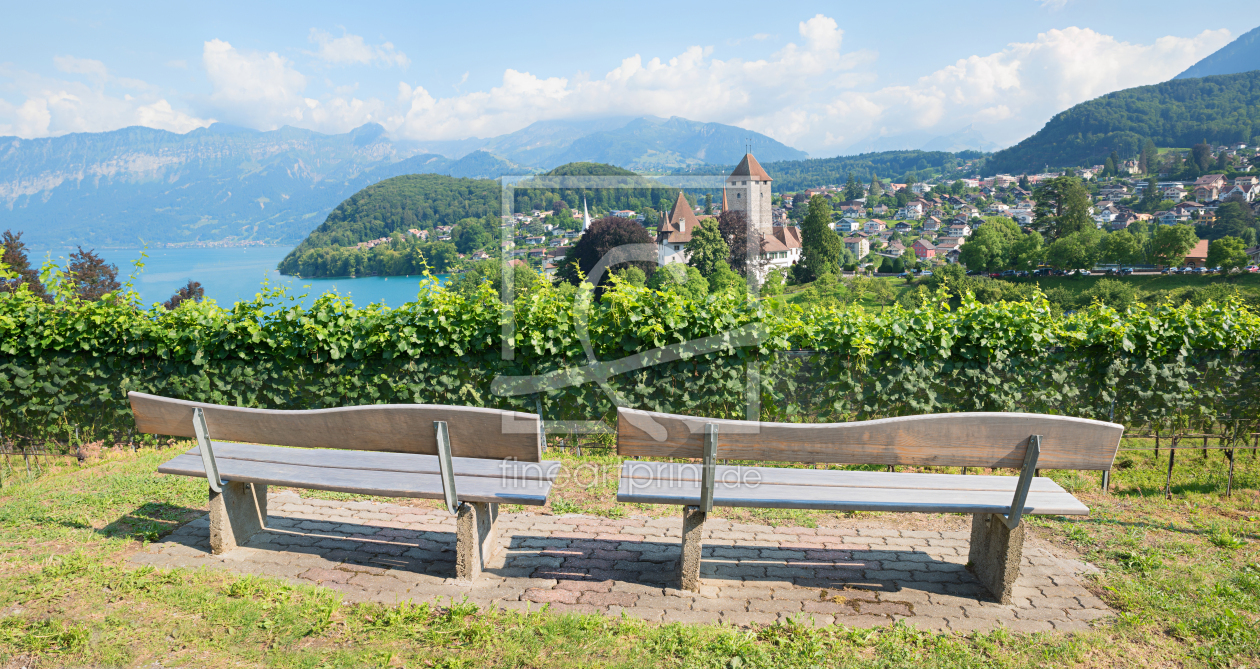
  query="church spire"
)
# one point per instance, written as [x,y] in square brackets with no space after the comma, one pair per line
[586,216]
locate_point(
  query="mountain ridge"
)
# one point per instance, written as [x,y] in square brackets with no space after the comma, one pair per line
[1240,55]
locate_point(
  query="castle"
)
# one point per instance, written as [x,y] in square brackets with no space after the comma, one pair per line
[747,189]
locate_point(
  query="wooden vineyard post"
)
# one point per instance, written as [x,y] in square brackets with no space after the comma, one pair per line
[1172,457]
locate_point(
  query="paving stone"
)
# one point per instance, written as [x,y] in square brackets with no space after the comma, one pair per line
[749,619]
[703,617]
[864,622]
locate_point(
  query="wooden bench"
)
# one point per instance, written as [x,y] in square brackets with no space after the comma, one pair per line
[474,459]
[1007,440]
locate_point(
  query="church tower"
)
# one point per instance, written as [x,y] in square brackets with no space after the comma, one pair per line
[748,190]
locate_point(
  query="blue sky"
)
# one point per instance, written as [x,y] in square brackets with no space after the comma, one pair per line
[819,76]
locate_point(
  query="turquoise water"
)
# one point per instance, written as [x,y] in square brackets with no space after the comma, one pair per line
[233,274]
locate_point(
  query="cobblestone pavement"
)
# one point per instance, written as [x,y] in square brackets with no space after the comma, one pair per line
[860,575]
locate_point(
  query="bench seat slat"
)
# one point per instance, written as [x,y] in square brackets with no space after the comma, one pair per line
[862,497]
[673,471]
[856,499]
[365,481]
[375,460]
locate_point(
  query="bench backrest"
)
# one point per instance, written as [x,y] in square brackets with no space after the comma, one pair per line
[931,440]
[397,428]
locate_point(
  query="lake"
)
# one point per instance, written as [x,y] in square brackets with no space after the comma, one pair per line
[233,274]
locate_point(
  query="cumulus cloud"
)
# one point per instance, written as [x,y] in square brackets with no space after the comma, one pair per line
[351,49]
[814,95]
[1015,91]
[265,91]
[53,106]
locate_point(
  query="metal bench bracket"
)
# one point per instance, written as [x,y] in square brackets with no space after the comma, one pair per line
[445,467]
[1026,475]
[708,471]
[207,452]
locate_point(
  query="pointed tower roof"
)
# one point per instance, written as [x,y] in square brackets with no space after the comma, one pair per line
[749,167]
[681,222]
[725,206]
[586,216]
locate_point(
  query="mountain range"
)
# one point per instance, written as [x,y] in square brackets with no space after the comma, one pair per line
[227,183]
[1179,113]
[1240,55]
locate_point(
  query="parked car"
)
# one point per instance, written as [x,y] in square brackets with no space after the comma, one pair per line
[1200,270]
[1168,270]
[1252,268]
[1085,272]
[1022,274]
[1043,271]
[1126,271]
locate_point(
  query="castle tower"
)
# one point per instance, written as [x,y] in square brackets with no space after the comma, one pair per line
[750,186]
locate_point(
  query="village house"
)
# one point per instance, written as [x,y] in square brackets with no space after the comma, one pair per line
[958,231]
[903,227]
[858,246]
[874,225]
[923,249]
[848,225]
[932,224]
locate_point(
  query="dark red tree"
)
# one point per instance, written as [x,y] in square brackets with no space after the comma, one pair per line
[16,260]
[605,235]
[193,292]
[91,276]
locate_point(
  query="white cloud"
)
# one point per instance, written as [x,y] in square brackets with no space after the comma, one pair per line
[1055,4]
[1014,92]
[263,90]
[351,49]
[816,96]
[55,107]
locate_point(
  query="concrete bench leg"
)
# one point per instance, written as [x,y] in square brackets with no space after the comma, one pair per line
[996,551]
[475,538]
[236,514]
[693,531]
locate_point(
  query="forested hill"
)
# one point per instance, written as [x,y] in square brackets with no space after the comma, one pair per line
[794,175]
[1177,113]
[472,207]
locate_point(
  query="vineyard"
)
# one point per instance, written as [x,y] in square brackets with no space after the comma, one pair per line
[66,366]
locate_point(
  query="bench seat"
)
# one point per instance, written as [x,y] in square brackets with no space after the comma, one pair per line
[373,473]
[832,490]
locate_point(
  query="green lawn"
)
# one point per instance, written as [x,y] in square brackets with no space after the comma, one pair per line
[1182,574]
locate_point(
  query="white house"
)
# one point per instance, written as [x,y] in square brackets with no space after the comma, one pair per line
[848,225]
[873,226]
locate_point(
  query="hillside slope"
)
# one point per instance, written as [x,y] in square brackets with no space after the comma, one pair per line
[1176,113]
[1240,55]
[212,184]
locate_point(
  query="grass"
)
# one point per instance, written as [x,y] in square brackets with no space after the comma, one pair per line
[1182,574]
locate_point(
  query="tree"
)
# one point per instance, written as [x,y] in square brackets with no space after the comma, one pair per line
[1234,219]
[877,189]
[773,284]
[16,261]
[1120,247]
[1027,252]
[1171,244]
[724,279]
[193,292]
[1109,167]
[469,235]
[1023,182]
[1062,207]
[1202,156]
[708,204]
[605,235]
[821,246]
[91,277]
[1151,197]
[1075,251]
[707,250]
[852,189]
[440,256]
[1227,253]
[681,279]
[988,249]
[733,225]
[1148,162]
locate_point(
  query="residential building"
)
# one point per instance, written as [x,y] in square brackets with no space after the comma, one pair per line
[903,227]
[858,246]
[958,231]
[920,188]
[874,225]
[931,224]
[848,225]
[923,249]
[1197,257]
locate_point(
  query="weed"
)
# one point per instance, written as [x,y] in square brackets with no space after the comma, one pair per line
[1223,539]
